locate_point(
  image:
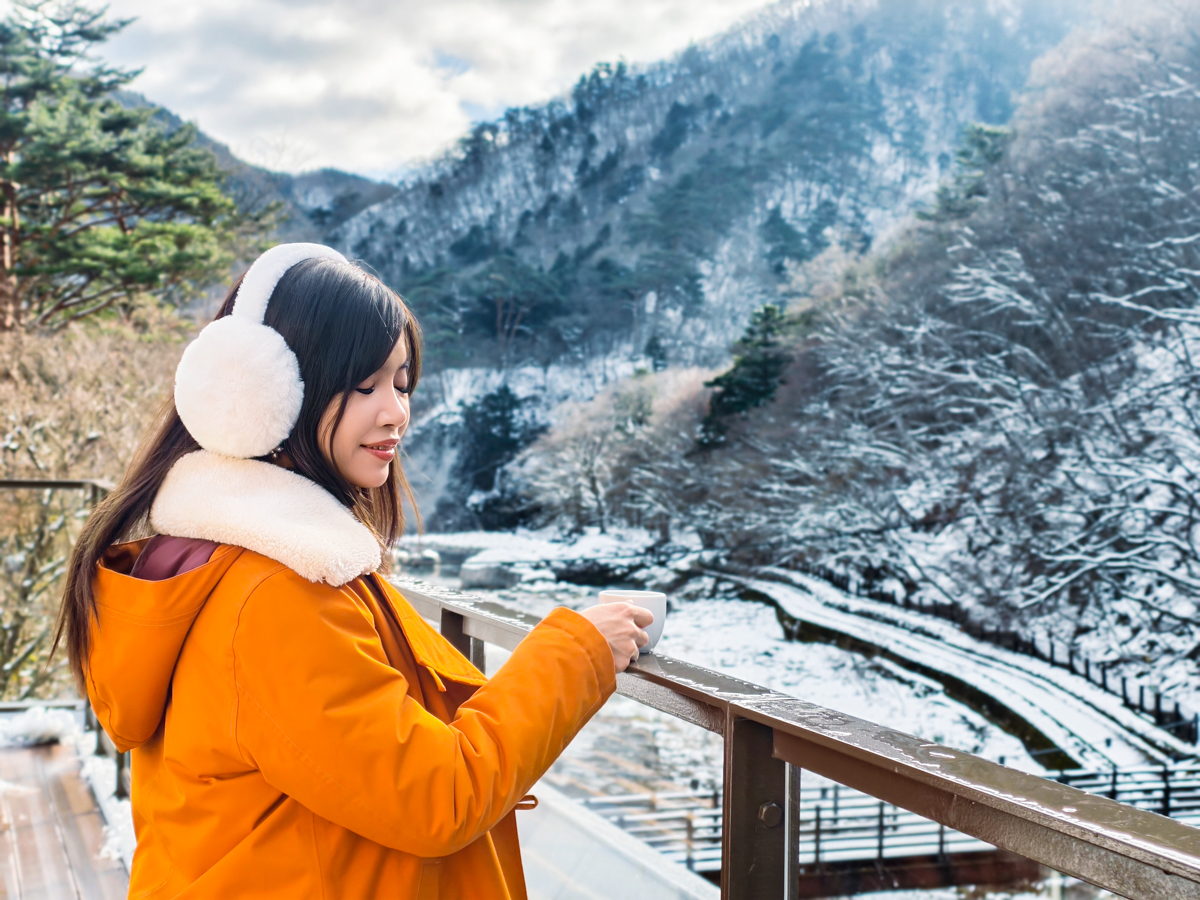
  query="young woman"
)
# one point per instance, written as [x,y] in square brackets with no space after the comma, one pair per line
[297,729]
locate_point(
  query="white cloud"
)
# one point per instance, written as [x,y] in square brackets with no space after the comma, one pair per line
[373,86]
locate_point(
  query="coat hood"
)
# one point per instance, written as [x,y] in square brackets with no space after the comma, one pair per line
[239,504]
[139,629]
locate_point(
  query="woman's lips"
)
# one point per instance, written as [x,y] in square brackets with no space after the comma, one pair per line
[385,452]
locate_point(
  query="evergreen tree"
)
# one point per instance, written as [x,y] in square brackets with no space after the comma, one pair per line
[982,147]
[657,353]
[494,431]
[756,373]
[98,202]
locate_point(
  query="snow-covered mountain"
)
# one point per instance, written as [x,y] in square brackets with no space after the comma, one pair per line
[639,220]
[667,202]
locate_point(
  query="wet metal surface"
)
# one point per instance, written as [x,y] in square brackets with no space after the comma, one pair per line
[1132,852]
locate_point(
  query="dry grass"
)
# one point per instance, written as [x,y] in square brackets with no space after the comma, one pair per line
[73,404]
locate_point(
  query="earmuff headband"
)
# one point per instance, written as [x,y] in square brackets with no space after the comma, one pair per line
[238,389]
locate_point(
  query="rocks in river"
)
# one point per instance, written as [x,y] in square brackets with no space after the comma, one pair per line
[484,574]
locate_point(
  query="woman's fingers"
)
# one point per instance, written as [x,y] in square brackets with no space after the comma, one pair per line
[622,626]
[642,617]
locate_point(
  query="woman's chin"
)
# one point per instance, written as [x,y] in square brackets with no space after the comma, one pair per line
[369,477]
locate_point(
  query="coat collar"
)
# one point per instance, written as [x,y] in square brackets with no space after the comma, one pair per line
[267,509]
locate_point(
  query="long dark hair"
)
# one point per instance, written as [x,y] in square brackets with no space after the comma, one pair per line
[342,324]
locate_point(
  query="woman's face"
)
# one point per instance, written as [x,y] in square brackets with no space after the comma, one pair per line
[367,439]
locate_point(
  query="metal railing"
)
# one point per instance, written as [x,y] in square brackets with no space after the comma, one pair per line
[837,824]
[769,738]
[95,492]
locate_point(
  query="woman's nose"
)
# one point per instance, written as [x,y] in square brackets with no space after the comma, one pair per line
[394,413]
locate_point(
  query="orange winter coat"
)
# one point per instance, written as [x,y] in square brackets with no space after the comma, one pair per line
[295,739]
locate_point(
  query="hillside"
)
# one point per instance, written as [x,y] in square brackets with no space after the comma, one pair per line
[994,417]
[312,204]
[663,205]
[638,222]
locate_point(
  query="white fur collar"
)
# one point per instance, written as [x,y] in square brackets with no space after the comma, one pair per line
[267,509]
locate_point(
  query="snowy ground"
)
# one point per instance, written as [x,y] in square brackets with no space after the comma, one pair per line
[1093,726]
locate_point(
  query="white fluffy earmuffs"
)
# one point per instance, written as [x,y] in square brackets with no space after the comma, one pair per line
[238,388]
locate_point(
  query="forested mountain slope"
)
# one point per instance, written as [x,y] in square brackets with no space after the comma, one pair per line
[1003,410]
[639,221]
[659,207]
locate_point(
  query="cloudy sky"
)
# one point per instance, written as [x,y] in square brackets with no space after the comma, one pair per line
[374,86]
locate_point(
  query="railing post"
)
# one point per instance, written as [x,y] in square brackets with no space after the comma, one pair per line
[754,836]
[1166,795]
[452,630]
[123,776]
[472,648]
[817,839]
[792,840]
[880,848]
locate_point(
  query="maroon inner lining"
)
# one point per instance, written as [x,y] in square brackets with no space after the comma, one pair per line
[165,557]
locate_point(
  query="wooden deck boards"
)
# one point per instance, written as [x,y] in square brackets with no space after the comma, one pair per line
[51,831]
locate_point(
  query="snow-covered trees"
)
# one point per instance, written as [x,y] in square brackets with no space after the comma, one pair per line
[1002,410]
[622,455]
[1006,417]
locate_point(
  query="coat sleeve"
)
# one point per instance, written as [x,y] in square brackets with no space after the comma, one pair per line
[326,720]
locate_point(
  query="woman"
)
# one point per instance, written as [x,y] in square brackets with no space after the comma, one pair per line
[297,729]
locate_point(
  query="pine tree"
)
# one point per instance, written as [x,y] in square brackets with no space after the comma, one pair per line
[757,370]
[982,147]
[98,202]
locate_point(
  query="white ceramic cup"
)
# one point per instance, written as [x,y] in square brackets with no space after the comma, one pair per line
[655,601]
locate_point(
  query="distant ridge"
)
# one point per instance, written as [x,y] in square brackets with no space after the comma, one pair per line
[314,203]
[669,201]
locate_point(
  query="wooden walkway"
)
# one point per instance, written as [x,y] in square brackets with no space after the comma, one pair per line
[51,831]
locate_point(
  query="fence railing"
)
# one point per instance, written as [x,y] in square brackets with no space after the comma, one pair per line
[769,738]
[838,824]
[1167,713]
[96,490]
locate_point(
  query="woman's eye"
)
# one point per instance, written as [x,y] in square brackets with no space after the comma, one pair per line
[402,380]
[367,391]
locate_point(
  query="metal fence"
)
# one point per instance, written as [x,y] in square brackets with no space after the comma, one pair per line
[838,824]
[770,738]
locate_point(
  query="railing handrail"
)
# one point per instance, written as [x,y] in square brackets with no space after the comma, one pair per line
[57,483]
[1129,851]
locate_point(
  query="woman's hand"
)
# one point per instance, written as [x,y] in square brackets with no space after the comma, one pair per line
[621,624]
